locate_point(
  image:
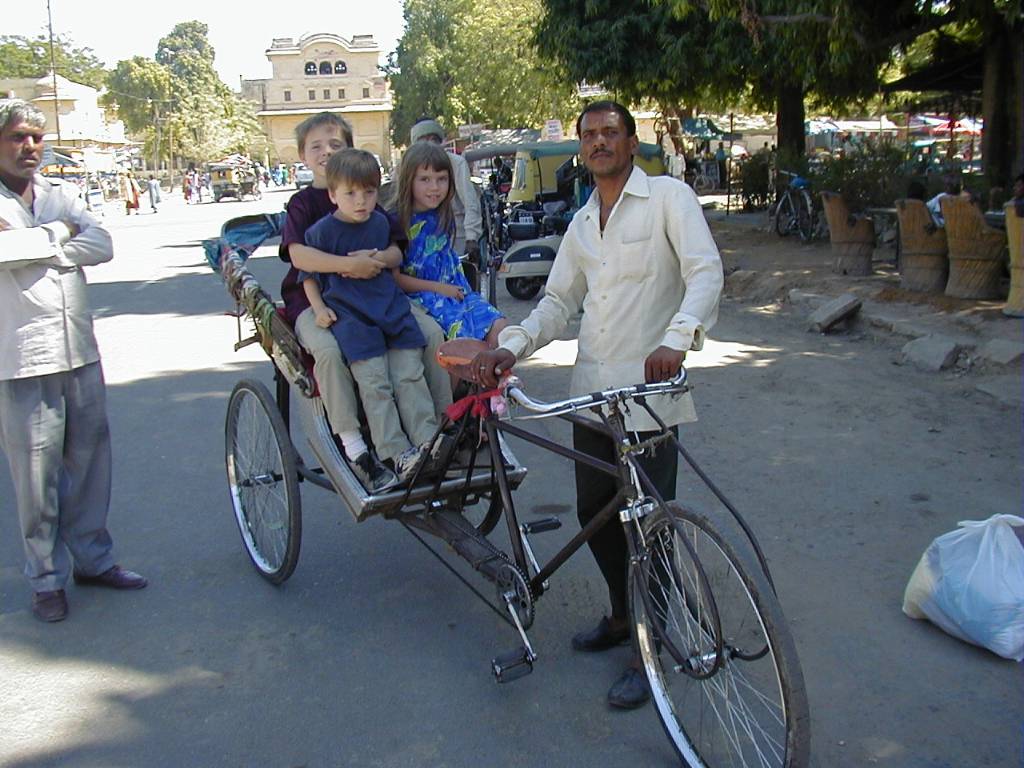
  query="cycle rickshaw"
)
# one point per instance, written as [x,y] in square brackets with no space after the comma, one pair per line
[716,650]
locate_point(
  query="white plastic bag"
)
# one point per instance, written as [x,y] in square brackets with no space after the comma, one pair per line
[970,582]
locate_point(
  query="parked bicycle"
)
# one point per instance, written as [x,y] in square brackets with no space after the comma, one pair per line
[795,211]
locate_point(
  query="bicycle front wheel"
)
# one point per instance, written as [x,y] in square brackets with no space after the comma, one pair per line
[716,650]
[263,481]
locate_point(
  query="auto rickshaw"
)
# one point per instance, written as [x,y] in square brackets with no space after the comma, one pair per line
[224,181]
[249,184]
[548,187]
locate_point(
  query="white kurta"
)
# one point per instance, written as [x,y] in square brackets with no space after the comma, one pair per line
[45,322]
[652,278]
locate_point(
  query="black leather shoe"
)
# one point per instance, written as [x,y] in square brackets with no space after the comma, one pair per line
[50,606]
[114,578]
[600,638]
[629,691]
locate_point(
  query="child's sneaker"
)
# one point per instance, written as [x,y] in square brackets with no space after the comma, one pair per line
[407,462]
[374,476]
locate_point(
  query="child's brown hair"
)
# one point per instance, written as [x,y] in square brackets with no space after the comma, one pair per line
[355,167]
[424,154]
[322,118]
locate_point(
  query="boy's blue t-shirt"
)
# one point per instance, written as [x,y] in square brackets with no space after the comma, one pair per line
[373,315]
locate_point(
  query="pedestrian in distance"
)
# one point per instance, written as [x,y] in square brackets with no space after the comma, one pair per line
[639,261]
[153,190]
[53,419]
[129,193]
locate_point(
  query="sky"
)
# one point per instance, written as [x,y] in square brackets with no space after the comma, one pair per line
[239,31]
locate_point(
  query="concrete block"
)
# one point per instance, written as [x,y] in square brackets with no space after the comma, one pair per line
[1008,390]
[830,313]
[799,298]
[931,353]
[1002,351]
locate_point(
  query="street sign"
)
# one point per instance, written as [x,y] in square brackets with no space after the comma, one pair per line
[552,130]
[469,131]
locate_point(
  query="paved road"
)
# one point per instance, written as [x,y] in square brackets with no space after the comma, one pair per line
[372,655]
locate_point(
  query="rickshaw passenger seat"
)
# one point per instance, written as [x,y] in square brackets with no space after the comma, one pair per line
[307,359]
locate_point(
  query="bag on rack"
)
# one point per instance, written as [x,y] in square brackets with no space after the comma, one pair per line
[970,583]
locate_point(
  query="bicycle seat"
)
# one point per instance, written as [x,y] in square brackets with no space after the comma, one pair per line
[799,182]
[456,354]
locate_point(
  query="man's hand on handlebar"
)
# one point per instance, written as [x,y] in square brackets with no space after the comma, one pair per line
[663,364]
[489,366]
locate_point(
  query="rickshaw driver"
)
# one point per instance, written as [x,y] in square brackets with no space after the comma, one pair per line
[639,260]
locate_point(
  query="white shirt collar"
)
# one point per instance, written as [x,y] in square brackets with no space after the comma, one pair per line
[637,185]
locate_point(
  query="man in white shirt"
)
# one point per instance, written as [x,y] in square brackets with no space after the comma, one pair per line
[950,187]
[53,420]
[639,261]
[466,203]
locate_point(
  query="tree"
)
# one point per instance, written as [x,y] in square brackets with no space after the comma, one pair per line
[30,57]
[695,52]
[470,61]
[140,89]
[422,69]
[863,35]
[179,96]
[676,57]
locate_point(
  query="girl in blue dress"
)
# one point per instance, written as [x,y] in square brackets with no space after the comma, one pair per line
[430,272]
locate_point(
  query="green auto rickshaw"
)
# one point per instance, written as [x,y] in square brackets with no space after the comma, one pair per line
[548,186]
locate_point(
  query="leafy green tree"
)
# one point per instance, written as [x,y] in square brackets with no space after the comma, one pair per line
[422,70]
[140,88]
[177,99]
[471,61]
[686,53]
[864,35]
[22,56]
[676,57]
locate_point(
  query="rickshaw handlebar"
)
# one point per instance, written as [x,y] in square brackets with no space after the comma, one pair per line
[513,390]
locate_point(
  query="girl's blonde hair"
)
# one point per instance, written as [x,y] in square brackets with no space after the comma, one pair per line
[424,154]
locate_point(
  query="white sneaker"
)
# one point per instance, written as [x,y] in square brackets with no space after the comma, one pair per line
[407,462]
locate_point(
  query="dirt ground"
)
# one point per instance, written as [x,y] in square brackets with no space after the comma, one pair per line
[845,463]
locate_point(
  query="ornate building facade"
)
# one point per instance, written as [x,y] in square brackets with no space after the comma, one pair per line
[323,72]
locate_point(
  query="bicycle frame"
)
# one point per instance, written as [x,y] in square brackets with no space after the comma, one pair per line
[635,488]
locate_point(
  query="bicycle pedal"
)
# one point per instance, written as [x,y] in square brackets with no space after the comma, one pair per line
[541,525]
[511,666]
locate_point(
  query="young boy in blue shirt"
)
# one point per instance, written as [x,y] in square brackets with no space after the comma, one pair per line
[371,319]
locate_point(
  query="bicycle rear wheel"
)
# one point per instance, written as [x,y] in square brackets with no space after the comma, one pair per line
[804,224]
[785,217]
[742,705]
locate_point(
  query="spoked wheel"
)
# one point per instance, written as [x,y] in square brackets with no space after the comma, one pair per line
[263,481]
[785,217]
[524,288]
[702,185]
[723,671]
[804,225]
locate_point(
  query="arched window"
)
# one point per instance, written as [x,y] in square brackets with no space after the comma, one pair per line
[325,67]
[310,67]
[340,68]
